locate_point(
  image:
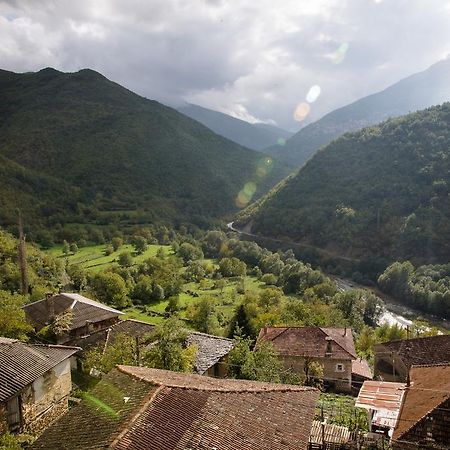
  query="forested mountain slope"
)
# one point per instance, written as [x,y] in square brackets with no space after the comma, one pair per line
[419,91]
[383,191]
[255,136]
[88,141]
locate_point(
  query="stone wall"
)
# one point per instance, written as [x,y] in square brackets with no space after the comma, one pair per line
[46,398]
[340,381]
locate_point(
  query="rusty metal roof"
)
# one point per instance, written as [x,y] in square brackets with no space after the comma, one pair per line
[385,398]
[21,364]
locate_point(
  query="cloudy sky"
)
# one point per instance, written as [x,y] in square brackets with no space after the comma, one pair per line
[255,59]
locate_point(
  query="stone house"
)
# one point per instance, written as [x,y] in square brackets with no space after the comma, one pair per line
[394,359]
[332,348]
[212,351]
[35,383]
[138,408]
[424,421]
[86,316]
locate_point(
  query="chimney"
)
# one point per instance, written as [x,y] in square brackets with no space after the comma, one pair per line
[345,332]
[50,305]
[329,350]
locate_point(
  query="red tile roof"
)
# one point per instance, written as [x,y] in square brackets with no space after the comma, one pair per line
[430,387]
[185,411]
[360,367]
[310,341]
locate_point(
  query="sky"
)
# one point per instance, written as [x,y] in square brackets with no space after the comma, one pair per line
[286,63]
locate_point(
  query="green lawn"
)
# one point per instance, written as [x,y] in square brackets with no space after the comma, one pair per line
[93,257]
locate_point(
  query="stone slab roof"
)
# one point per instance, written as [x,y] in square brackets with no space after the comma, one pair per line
[310,341]
[21,364]
[136,408]
[429,388]
[210,349]
[83,310]
[419,351]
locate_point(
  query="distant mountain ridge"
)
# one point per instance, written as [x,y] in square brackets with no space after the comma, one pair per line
[256,136]
[75,145]
[383,191]
[418,91]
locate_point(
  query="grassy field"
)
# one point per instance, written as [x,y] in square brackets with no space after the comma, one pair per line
[93,258]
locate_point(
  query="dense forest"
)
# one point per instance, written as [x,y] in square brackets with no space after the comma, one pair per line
[78,148]
[382,191]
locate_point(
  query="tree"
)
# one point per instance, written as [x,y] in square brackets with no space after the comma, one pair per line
[116,243]
[189,252]
[77,276]
[269,298]
[232,267]
[173,305]
[204,315]
[168,350]
[139,243]
[125,259]
[110,288]
[109,250]
[73,247]
[13,323]
[269,279]
[59,326]
[66,247]
[122,351]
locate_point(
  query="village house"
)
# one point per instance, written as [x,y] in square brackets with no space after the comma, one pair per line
[382,400]
[137,408]
[394,359]
[212,351]
[424,420]
[332,348]
[35,383]
[86,315]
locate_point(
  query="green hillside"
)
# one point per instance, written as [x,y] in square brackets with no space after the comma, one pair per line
[419,91]
[383,191]
[91,146]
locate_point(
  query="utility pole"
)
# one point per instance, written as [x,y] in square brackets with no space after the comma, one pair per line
[22,257]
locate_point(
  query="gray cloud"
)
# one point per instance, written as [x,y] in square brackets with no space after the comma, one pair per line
[251,59]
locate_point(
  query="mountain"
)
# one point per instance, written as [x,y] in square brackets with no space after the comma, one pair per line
[383,191]
[79,139]
[257,136]
[419,91]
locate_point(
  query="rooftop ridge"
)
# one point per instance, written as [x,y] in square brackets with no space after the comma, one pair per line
[419,338]
[254,386]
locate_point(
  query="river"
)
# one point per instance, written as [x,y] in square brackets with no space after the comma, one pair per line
[394,312]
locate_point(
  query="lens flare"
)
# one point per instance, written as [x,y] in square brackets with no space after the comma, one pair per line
[281,141]
[301,111]
[339,55]
[313,93]
[249,188]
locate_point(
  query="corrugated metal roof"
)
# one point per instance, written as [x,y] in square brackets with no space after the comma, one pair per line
[329,433]
[385,398]
[21,364]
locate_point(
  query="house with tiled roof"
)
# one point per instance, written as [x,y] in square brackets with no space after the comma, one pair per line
[35,383]
[332,348]
[86,315]
[424,420]
[137,408]
[394,359]
[212,351]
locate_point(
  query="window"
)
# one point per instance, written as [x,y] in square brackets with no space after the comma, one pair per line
[340,368]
